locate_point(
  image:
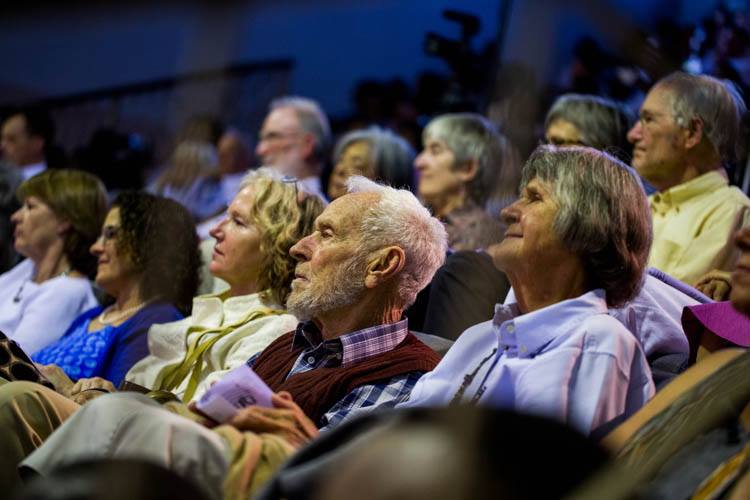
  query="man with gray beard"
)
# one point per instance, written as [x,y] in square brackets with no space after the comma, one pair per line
[371,252]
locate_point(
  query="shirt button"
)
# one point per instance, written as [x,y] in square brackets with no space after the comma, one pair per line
[511,328]
[311,359]
[523,348]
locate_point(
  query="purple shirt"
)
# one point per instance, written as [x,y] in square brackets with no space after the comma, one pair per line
[570,361]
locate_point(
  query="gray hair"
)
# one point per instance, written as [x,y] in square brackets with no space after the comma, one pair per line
[391,156]
[603,215]
[312,120]
[398,218]
[602,123]
[472,137]
[716,103]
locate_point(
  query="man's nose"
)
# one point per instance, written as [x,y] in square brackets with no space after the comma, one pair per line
[301,250]
[634,133]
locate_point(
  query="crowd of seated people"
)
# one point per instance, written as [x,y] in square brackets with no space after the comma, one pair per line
[573,287]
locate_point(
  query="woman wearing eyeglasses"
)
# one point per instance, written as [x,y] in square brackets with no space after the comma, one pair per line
[60,217]
[148,261]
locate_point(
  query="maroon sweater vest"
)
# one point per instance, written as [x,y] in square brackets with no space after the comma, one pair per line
[317,390]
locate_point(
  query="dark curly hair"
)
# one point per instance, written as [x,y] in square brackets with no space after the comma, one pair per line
[77,197]
[158,236]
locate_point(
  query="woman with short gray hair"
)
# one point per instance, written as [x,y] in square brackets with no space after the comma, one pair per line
[577,244]
[588,120]
[468,172]
[602,215]
[375,153]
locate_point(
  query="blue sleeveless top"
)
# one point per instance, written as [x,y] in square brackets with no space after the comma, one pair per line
[110,352]
[80,352]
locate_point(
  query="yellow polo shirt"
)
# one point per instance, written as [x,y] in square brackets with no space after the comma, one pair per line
[693,226]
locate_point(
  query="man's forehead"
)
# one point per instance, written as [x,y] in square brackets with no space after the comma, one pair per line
[282,118]
[348,208]
[14,123]
[658,100]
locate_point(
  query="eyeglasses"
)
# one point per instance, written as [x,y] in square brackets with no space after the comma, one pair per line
[109,233]
[290,179]
[276,136]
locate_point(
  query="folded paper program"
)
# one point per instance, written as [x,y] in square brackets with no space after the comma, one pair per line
[240,387]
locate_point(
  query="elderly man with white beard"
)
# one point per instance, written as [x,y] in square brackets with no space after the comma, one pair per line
[371,251]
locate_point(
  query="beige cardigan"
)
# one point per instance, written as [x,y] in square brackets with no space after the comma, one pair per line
[167,342]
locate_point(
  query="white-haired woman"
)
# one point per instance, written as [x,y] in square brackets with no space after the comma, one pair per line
[577,243]
[467,172]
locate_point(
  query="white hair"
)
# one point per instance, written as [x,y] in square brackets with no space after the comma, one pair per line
[399,219]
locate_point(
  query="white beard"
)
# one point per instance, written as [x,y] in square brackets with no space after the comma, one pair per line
[344,289]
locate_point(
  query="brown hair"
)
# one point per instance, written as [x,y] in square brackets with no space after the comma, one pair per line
[81,199]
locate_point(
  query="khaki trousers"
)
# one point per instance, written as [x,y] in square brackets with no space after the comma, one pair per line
[29,413]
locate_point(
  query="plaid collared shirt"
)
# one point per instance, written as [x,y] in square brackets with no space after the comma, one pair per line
[346,350]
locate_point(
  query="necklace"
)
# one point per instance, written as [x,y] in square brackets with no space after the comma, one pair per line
[118,316]
[18,296]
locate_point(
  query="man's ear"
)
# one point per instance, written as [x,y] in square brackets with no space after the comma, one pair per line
[386,263]
[694,133]
[307,145]
[468,170]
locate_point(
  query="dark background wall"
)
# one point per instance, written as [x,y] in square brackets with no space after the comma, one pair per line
[65,48]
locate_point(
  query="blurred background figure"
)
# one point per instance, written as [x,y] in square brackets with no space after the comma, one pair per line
[461,452]
[588,120]
[235,158]
[466,171]
[112,480]
[375,153]
[26,140]
[295,140]
[192,179]
[10,179]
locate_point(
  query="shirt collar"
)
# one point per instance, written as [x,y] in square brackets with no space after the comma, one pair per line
[216,310]
[706,183]
[356,346]
[31,170]
[528,334]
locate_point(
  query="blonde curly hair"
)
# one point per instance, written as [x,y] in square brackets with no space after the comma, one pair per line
[283,217]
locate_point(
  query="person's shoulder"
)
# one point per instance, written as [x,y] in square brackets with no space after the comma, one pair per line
[656,294]
[474,338]
[20,271]
[68,290]
[605,334]
[159,312]
[730,198]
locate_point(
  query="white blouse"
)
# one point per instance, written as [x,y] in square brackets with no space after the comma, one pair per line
[37,314]
[167,342]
